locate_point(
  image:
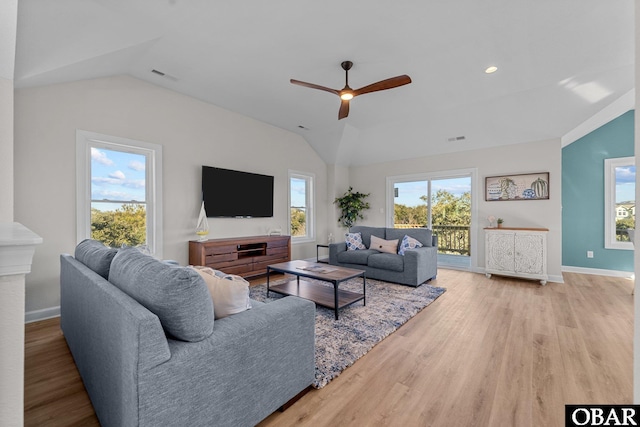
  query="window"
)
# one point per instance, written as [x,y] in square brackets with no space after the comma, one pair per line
[620,202]
[301,224]
[119,191]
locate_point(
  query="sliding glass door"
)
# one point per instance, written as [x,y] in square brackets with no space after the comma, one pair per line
[441,202]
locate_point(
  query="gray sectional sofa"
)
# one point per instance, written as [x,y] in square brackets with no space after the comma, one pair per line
[413,268]
[143,337]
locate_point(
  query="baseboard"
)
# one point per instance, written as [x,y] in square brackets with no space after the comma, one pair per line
[45,313]
[556,279]
[598,272]
[455,267]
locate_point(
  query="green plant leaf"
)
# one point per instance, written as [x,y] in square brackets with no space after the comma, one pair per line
[351,206]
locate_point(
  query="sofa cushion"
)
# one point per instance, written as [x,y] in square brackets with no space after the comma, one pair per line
[408,242]
[95,255]
[177,295]
[354,241]
[367,232]
[381,245]
[393,262]
[230,293]
[423,235]
[356,257]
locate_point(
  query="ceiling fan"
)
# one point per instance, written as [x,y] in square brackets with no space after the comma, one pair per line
[346,93]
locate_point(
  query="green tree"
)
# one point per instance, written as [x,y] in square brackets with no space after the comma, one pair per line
[401,214]
[298,222]
[126,225]
[411,215]
[624,224]
[447,209]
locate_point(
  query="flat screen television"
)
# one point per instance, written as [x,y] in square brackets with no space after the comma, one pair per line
[230,193]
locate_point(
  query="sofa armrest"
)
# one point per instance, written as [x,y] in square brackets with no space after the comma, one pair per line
[334,250]
[423,261]
[112,339]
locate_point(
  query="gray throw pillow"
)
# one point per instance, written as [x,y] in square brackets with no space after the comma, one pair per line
[177,295]
[95,255]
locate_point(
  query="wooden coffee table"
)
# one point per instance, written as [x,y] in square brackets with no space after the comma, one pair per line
[322,295]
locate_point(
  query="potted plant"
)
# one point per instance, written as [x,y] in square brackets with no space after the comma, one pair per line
[351,206]
[500,221]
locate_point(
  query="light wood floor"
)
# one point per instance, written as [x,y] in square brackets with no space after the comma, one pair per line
[489,352]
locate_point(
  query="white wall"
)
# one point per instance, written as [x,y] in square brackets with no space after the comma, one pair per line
[8,24]
[6,150]
[191,132]
[542,156]
[337,184]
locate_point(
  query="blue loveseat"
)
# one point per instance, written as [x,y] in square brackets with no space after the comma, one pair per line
[413,268]
[121,314]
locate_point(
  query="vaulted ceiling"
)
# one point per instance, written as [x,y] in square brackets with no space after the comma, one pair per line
[559,63]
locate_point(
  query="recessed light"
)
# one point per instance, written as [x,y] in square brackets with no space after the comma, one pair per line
[491,69]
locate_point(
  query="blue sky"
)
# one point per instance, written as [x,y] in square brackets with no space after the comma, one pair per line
[297,192]
[409,192]
[625,183]
[116,175]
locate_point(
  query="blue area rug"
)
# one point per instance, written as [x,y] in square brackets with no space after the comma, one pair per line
[339,343]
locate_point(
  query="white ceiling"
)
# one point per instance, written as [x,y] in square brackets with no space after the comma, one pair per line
[560,62]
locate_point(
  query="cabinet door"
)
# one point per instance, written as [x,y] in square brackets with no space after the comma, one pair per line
[500,251]
[529,253]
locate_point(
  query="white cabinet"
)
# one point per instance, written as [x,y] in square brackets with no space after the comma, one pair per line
[520,252]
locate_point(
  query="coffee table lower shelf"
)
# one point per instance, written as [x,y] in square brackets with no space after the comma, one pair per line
[320,294]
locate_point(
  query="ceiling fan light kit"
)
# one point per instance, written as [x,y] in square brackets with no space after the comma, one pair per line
[346,93]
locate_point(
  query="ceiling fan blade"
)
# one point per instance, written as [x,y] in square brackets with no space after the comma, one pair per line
[384,84]
[314,86]
[344,109]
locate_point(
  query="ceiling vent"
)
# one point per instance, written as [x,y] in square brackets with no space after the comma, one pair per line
[456,138]
[165,75]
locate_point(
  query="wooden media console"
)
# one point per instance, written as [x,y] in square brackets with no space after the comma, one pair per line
[244,256]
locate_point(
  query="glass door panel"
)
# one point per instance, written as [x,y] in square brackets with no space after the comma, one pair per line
[451,214]
[410,204]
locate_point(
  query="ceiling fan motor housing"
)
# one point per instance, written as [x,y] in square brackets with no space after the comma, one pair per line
[346,65]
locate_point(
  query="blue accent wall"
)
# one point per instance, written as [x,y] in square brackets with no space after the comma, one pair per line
[583,195]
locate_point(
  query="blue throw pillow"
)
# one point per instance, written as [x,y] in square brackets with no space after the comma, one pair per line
[408,242]
[354,241]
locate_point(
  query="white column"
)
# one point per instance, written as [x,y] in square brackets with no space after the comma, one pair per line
[17,245]
[636,263]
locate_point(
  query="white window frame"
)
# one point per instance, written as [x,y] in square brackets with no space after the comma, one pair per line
[153,176]
[610,166]
[310,205]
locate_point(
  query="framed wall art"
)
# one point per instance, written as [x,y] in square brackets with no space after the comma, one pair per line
[530,186]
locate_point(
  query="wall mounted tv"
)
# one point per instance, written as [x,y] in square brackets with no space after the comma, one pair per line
[230,193]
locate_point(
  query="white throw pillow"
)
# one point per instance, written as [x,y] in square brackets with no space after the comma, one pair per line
[230,294]
[388,246]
